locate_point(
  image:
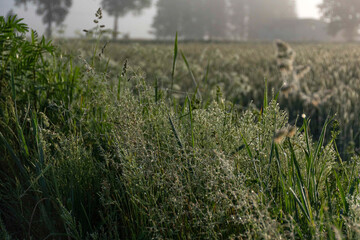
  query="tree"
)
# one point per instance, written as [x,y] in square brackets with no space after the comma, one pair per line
[53,11]
[192,19]
[342,15]
[168,19]
[119,8]
[218,19]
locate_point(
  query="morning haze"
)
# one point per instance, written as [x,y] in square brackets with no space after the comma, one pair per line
[141,24]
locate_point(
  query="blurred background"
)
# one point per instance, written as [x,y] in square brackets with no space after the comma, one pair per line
[235,20]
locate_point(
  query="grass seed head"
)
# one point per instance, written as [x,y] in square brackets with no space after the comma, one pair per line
[285,57]
[282,46]
[280,135]
[291,130]
[98,14]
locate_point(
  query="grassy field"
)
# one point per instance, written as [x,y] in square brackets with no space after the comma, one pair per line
[181,141]
[332,86]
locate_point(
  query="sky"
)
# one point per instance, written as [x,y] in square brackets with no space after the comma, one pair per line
[81,17]
[308,8]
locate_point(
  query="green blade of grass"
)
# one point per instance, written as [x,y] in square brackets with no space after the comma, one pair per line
[18,127]
[265,95]
[191,74]
[156,90]
[174,60]
[175,132]
[35,126]
[342,193]
[321,139]
[207,73]
[191,124]
[35,181]
[300,204]
[306,129]
[12,153]
[247,147]
[270,157]
[296,164]
[328,193]
[304,203]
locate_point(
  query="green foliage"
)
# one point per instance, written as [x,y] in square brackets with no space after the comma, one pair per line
[87,154]
[238,70]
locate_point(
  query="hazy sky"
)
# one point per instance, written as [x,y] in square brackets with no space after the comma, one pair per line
[308,8]
[82,14]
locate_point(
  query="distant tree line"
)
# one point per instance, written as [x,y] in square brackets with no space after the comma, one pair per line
[53,11]
[219,19]
[212,19]
[119,8]
[343,16]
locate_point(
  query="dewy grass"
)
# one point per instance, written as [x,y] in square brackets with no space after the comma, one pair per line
[238,71]
[85,156]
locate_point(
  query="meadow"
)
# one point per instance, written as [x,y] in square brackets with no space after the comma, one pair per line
[177,141]
[239,72]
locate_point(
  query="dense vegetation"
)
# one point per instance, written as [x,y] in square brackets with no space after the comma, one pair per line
[238,70]
[93,148]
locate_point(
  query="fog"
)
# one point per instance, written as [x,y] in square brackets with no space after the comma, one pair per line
[81,16]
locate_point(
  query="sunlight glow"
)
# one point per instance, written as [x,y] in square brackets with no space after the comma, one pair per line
[308,8]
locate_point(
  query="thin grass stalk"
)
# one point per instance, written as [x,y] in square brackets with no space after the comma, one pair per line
[191,74]
[174,61]
[266,103]
[175,133]
[191,124]
[21,136]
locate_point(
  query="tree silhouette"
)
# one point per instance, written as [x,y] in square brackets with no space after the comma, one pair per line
[343,15]
[192,19]
[119,8]
[53,12]
[218,19]
[169,18]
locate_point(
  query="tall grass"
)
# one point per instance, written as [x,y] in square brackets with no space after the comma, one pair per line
[324,78]
[87,154]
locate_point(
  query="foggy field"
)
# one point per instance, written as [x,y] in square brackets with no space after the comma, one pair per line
[105,140]
[239,71]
